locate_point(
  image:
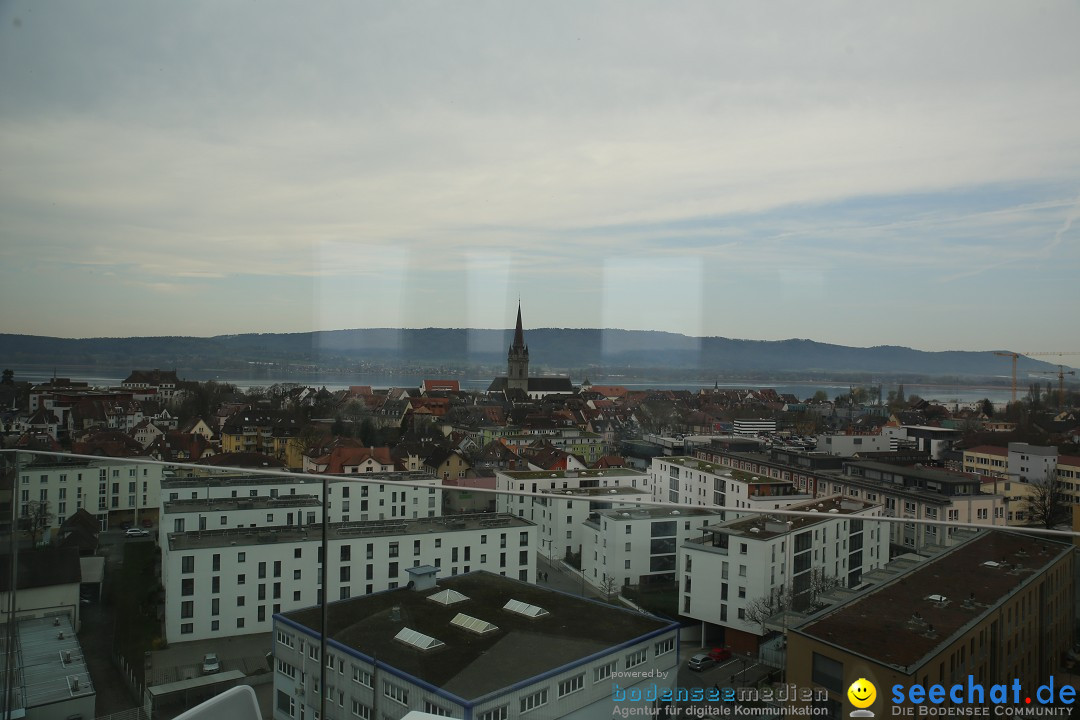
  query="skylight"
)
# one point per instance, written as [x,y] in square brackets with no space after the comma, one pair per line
[472,624]
[417,639]
[448,597]
[521,608]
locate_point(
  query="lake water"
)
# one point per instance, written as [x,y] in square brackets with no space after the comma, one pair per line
[107,377]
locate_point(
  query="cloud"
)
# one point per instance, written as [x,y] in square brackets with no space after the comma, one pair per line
[533,146]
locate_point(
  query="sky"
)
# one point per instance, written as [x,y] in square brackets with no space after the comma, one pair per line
[850,172]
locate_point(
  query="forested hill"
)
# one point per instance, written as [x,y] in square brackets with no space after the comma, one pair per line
[549,348]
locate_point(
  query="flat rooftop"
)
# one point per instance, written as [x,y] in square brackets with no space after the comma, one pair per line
[234,478]
[653,513]
[259,502]
[47,675]
[472,665]
[570,474]
[202,539]
[882,625]
[761,526]
[597,492]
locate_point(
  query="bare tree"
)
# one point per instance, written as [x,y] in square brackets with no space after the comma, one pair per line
[760,609]
[1044,504]
[609,587]
[37,519]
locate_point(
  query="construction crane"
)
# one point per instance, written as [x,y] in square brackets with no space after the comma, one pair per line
[1015,356]
[1061,373]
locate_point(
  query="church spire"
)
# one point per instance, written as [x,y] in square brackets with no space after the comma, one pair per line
[517,359]
[519,334]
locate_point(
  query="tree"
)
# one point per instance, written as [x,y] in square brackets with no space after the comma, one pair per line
[1044,504]
[821,396]
[760,609]
[987,408]
[36,520]
[609,587]
[9,377]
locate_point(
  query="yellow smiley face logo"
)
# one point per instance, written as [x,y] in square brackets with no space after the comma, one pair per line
[862,693]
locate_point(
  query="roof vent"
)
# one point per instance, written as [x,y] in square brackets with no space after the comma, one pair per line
[56,622]
[937,598]
[755,530]
[67,657]
[60,635]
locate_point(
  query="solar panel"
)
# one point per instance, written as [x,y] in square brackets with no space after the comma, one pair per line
[417,639]
[522,608]
[472,624]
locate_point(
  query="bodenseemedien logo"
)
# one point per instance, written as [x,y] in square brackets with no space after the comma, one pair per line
[862,695]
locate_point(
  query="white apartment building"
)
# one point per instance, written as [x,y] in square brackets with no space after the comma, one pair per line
[1032,463]
[220,583]
[741,565]
[561,514]
[750,427]
[848,445]
[691,481]
[474,646]
[373,496]
[111,490]
[638,546]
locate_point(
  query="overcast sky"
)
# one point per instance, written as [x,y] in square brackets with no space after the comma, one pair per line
[857,173]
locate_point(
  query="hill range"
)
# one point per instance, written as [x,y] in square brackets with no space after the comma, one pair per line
[550,348]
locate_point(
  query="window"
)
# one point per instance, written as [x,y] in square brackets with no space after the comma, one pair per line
[241,557]
[187,609]
[187,629]
[187,564]
[396,693]
[187,586]
[360,710]
[499,713]
[361,676]
[433,709]
[637,658]
[603,672]
[216,563]
[571,685]
[346,553]
[663,647]
[531,702]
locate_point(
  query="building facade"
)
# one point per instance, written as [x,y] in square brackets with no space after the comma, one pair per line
[227,582]
[475,646]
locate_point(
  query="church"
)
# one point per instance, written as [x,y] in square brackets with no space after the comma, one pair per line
[517,382]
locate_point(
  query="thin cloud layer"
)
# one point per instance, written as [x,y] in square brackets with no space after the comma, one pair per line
[855,174]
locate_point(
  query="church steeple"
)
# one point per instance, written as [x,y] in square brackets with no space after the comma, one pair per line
[517,359]
[519,334]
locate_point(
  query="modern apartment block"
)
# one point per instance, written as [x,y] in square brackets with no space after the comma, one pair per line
[222,582]
[535,481]
[372,496]
[474,646]
[914,492]
[1020,464]
[694,481]
[995,609]
[638,546]
[561,514]
[111,490]
[737,573]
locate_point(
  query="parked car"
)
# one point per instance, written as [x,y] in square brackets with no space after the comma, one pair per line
[147,523]
[136,532]
[699,662]
[720,654]
[210,664]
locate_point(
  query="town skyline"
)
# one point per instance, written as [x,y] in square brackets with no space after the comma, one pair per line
[861,176]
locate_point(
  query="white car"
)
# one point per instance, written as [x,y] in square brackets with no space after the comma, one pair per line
[136,532]
[210,664]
